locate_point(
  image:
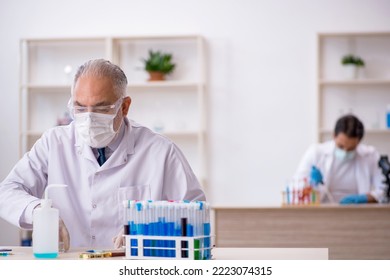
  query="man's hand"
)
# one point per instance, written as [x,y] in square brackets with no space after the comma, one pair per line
[64,235]
[354,199]
[119,240]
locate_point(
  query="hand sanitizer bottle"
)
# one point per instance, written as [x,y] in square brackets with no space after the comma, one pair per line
[45,228]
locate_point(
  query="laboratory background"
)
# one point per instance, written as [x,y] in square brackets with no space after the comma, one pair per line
[256,81]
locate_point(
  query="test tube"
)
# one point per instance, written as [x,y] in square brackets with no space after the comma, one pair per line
[152,227]
[184,244]
[145,226]
[207,231]
[196,228]
[171,229]
[288,194]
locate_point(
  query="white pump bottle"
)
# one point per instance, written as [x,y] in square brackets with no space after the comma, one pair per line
[45,227]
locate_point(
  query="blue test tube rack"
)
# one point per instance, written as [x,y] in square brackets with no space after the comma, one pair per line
[167,230]
[136,248]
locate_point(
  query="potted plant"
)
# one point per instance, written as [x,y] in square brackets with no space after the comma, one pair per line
[158,65]
[352,63]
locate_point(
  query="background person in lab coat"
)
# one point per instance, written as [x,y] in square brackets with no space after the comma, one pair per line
[103,158]
[349,169]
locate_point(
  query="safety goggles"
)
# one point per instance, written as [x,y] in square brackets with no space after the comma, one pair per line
[106,109]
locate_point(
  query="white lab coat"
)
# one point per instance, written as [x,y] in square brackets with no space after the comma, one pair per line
[145,166]
[368,174]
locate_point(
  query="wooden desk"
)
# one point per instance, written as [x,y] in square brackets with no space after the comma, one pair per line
[25,253]
[350,232]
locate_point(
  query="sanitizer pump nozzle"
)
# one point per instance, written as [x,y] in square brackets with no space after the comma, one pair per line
[45,227]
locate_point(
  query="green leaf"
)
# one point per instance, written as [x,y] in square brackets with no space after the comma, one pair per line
[159,62]
[351,59]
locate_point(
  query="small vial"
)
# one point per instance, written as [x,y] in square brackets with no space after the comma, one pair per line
[388,116]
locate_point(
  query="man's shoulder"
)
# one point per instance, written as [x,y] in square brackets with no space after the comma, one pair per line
[366,150]
[60,132]
[147,136]
[322,148]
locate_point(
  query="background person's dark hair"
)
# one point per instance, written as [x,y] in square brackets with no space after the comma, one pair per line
[350,126]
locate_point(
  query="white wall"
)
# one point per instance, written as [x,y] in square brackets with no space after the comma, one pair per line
[262,72]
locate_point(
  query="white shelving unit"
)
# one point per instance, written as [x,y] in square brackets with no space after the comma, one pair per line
[366,96]
[175,107]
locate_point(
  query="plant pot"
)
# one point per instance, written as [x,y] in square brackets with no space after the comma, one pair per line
[350,71]
[156,76]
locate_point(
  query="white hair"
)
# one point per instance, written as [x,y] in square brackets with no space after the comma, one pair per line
[103,68]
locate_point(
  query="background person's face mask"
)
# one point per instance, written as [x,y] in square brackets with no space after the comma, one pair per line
[344,155]
[96,130]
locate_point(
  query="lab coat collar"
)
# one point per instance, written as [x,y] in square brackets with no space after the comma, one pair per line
[118,139]
[119,156]
[125,148]
[128,138]
[82,149]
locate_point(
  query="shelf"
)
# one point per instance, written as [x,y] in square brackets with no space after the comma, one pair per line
[49,40]
[167,133]
[163,84]
[366,96]
[368,131]
[115,38]
[131,85]
[158,37]
[180,133]
[46,87]
[357,82]
[178,103]
[353,34]
[34,133]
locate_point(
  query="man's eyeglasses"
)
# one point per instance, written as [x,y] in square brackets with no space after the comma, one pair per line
[107,109]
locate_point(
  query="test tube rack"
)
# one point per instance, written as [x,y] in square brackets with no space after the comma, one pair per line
[299,198]
[168,247]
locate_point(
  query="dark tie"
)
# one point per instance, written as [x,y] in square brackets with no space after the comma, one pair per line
[102,156]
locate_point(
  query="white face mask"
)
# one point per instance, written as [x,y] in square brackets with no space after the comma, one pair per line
[344,155]
[96,130]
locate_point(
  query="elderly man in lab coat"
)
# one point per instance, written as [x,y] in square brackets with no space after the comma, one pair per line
[103,158]
[349,169]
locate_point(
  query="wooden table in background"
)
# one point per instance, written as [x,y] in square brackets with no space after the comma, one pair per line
[350,232]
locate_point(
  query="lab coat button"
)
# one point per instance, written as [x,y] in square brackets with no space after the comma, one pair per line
[93,236]
[94,206]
